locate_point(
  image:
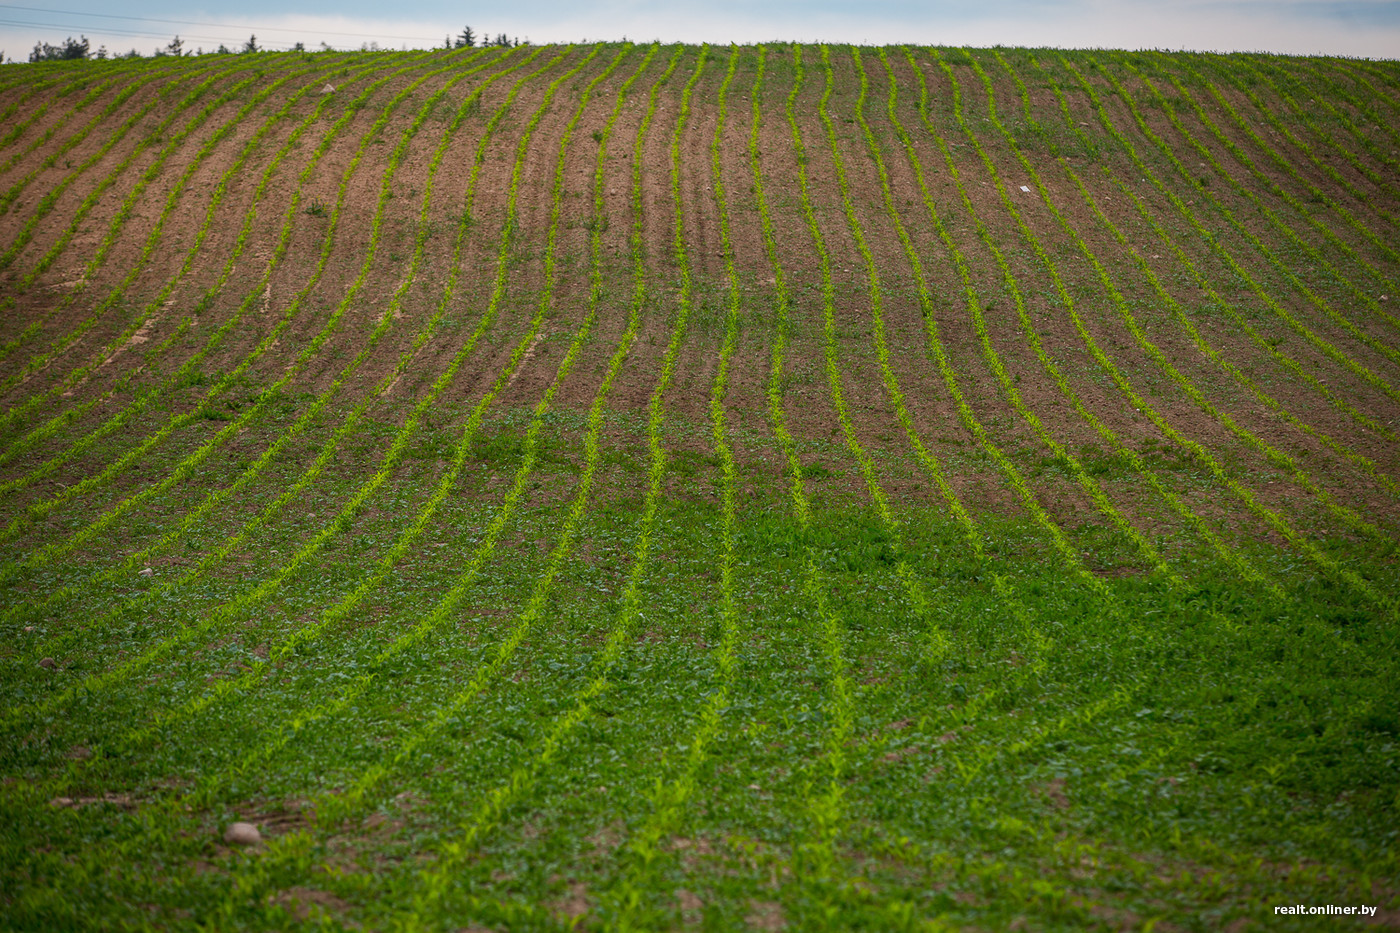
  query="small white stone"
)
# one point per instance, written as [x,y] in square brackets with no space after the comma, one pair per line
[147,572]
[328,89]
[242,834]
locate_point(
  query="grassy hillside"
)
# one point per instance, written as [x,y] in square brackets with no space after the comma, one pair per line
[636,487]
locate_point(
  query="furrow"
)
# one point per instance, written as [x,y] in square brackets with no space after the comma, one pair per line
[335,808]
[37,362]
[1380,245]
[1271,517]
[1184,211]
[346,514]
[1278,224]
[190,463]
[105,354]
[1365,464]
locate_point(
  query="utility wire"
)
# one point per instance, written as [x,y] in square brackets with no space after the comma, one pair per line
[187,22]
[125,33]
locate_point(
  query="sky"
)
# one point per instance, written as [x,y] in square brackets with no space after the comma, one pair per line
[1365,28]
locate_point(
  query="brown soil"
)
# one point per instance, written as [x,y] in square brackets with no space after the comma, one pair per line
[61,301]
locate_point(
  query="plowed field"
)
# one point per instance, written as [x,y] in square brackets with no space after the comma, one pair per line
[661,487]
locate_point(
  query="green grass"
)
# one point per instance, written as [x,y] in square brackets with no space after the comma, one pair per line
[703,491]
[1170,754]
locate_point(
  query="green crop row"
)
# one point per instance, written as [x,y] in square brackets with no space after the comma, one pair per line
[1096,494]
[1245,495]
[1184,210]
[71,78]
[1305,116]
[195,517]
[1287,165]
[47,203]
[72,412]
[1114,611]
[644,854]
[814,855]
[279,251]
[1328,235]
[338,807]
[207,300]
[1364,104]
[61,343]
[1201,528]
[393,456]
[34,116]
[1365,464]
[100,120]
[344,517]
[115,346]
[1061,543]
[139,735]
[436,881]
[972,534]
[1270,256]
[1186,213]
[193,460]
[934,638]
[73,82]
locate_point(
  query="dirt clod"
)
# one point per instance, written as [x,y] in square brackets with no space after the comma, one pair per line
[48,664]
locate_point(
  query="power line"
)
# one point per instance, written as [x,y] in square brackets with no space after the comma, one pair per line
[107,31]
[187,22]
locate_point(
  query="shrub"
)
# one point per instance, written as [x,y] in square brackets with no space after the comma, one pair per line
[70,49]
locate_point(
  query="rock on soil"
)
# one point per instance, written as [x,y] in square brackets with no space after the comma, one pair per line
[242,834]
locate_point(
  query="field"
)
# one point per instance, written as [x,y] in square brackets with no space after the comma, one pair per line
[662,487]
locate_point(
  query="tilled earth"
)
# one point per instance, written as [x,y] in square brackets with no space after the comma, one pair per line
[662,487]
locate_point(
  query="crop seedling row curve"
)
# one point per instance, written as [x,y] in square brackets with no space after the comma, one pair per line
[337,807]
[1198,451]
[41,361]
[233,543]
[47,203]
[191,462]
[1185,211]
[1270,256]
[107,353]
[235,608]
[1288,167]
[207,792]
[1367,465]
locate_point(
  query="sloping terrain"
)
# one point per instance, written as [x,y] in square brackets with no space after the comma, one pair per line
[646,487]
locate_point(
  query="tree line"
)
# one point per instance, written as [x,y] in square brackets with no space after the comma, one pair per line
[80,49]
[468,38]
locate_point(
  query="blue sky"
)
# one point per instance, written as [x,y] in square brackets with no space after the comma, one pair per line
[1343,27]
